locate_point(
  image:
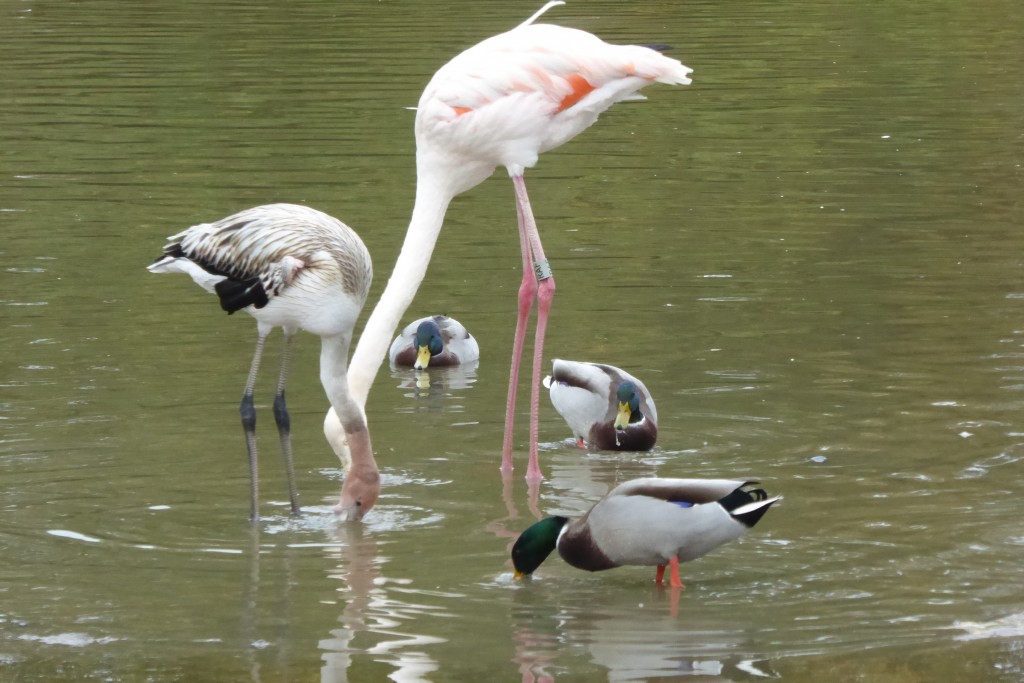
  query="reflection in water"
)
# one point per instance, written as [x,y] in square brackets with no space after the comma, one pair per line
[250,600]
[532,494]
[371,617]
[629,635]
[579,479]
[637,649]
[536,637]
[1010,626]
[826,292]
[434,385]
[254,601]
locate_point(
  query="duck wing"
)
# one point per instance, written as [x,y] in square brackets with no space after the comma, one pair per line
[692,491]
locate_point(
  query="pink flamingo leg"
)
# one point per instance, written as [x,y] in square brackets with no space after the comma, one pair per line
[659,575]
[527,293]
[673,579]
[545,294]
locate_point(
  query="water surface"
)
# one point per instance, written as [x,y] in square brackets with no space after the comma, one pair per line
[811,256]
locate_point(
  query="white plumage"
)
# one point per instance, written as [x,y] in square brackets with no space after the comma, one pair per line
[584,394]
[454,344]
[650,521]
[501,103]
[292,267]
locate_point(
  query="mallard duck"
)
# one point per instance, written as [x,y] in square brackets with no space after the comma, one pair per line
[434,341]
[605,406]
[649,521]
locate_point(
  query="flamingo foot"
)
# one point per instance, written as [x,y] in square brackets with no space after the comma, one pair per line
[533,473]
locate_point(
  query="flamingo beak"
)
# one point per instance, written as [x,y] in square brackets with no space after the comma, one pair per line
[422,358]
[348,513]
[359,492]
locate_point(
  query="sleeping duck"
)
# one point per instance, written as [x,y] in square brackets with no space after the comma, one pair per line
[433,341]
[650,521]
[605,406]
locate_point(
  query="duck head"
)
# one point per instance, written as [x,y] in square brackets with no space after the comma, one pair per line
[428,343]
[535,544]
[629,405]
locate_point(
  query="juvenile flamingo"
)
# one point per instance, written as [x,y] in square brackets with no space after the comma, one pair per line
[296,268]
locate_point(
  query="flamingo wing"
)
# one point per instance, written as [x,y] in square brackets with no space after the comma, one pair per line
[520,93]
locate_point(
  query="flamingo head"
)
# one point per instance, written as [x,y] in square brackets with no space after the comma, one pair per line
[362,478]
[358,494]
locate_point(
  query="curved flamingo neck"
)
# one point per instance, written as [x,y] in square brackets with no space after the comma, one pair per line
[333,377]
[362,480]
[432,198]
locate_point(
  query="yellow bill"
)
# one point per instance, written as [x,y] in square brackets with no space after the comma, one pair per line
[622,418]
[422,358]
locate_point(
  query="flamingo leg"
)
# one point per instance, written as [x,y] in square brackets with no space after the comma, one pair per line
[248,411]
[284,423]
[527,293]
[545,294]
[673,579]
[659,575]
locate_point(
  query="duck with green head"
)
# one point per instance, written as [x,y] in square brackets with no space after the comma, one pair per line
[605,406]
[652,521]
[434,341]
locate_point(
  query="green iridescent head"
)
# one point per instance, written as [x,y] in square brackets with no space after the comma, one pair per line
[428,343]
[535,544]
[629,405]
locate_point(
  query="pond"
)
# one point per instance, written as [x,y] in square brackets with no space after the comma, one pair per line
[811,256]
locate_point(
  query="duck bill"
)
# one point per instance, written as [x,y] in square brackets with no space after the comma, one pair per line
[519,576]
[622,418]
[422,358]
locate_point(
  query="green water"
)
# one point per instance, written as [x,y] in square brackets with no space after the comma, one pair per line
[812,257]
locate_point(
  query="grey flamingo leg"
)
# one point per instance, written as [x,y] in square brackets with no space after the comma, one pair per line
[248,411]
[284,424]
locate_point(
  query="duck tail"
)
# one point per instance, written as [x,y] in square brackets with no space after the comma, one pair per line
[747,506]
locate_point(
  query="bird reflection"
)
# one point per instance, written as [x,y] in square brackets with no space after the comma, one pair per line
[253,627]
[510,525]
[250,593]
[370,614]
[537,642]
[434,385]
[628,635]
[575,484]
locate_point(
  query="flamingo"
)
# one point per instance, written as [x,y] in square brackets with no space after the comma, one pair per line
[296,268]
[501,103]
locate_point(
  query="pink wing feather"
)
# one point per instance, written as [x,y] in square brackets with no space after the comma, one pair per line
[520,93]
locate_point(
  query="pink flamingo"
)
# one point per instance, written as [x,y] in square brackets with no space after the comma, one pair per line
[501,103]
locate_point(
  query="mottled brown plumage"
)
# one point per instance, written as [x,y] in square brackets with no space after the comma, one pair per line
[296,268]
